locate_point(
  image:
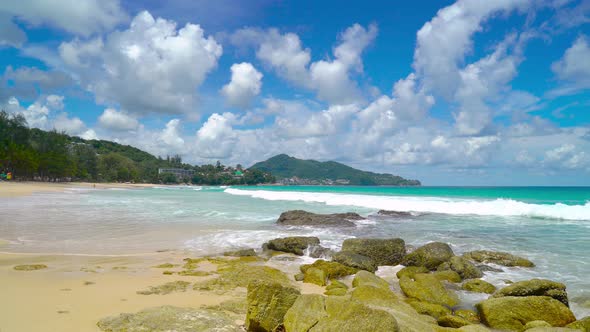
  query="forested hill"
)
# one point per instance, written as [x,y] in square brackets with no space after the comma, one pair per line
[298,171]
[33,154]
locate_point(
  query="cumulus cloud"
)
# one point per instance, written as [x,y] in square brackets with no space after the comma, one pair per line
[216,138]
[151,67]
[574,67]
[116,120]
[245,84]
[82,17]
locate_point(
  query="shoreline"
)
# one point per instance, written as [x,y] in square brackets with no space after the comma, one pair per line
[15,189]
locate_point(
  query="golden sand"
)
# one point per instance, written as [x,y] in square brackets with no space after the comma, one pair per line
[16,189]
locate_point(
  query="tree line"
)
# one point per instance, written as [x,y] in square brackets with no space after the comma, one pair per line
[38,155]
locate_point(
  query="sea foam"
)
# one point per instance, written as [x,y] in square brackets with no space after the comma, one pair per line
[496,207]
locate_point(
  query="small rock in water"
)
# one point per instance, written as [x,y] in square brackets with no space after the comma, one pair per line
[430,255]
[535,287]
[355,260]
[395,214]
[498,257]
[30,267]
[465,268]
[487,268]
[240,253]
[295,244]
[304,218]
[479,286]
[382,251]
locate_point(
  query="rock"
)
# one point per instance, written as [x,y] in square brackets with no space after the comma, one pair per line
[240,253]
[536,323]
[305,313]
[295,244]
[336,284]
[430,255]
[447,275]
[470,315]
[304,218]
[364,278]
[453,321]
[315,276]
[320,252]
[463,267]
[268,303]
[239,306]
[430,309]
[382,251]
[299,277]
[395,214]
[478,286]
[487,268]
[426,287]
[30,267]
[581,324]
[354,260]
[333,270]
[473,328]
[512,313]
[497,257]
[535,287]
[410,271]
[167,288]
[169,318]
[164,266]
[336,292]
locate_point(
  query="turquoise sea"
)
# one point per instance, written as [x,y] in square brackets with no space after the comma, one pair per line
[549,225]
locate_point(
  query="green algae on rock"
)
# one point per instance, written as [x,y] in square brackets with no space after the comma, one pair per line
[430,255]
[462,266]
[581,324]
[167,288]
[235,274]
[194,273]
[333,270]
[355,260]
[240,253]
[237,306]
[470,315]
[382,251]
[447,275]
[426,287]
[497,257]
[453,321]
[430,309]
[336,292]
[344,314]
[268,303]
[30,267]
[164,266]
[478,286]
[305,313]
[363,278]
[535,287]
[512,313]
[411,271]
[536,323]
[294,244]
[169,318]
[315,276]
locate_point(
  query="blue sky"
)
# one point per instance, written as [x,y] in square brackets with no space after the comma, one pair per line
[465,93]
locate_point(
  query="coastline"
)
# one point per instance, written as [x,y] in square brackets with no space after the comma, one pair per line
[18,189]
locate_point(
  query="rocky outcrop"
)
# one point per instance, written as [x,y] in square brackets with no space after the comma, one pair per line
[382,251]
[430,309]
[450,276]
[304,218]
[355,260]
[268,303]
[478,286]
[240,253]
[305,313]
[169,318]
[430,255]
[453,321]
[364,278]
[294,244]
[411,271]
[394,214]
[536,287]
[512,313]
[465,268]
[581,324]
[427,288]
[329,270]
[497,257]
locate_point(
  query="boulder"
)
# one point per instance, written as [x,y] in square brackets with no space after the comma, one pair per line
[487,268]
[268,303]
[382,251]
[315,276]
[169,318]
[299,277]
[430,309]
[294,244]
[426,287]
[240,253]
[394,214]
[536,323]
[333,270]
[336,292]
[453,321]
[304,218]
[478,286]
[462,266]
[581,324]
[345,314]
[448,275]
[320,252]
[470,315]
[355,260]
[305,313]
[497,257]
[512,312]
[535,287]
[336,284]
[410,271]
[364,278]
[430,255]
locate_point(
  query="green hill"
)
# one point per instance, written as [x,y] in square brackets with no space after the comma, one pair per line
[284,167]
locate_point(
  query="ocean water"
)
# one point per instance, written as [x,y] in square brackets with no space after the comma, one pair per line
[550,226]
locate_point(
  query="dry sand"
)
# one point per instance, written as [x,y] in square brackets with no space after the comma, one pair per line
[16,189]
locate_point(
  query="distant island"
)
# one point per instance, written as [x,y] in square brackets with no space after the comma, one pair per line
[290,170]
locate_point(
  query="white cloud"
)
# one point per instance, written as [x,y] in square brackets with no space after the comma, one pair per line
[46,80]
[245,84]
[150,67]
[10,33]
[171,135]
[574,67]
[216,138]
[116,120]
[82,17]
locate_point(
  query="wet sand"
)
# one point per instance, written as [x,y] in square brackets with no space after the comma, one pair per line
[17,189]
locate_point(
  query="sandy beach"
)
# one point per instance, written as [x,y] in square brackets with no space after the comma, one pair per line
[16,189]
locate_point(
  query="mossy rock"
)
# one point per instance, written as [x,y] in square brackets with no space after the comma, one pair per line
[411,271]
[268,303]
[240,253]
[169,318]
[239,306]
[363,278]
[168,273]
[236,273]
[478,286]
[447,275]
[167,288]
[536,287]
[355,260]
[333,270]
[315,276]
[581,324]
[453,321]
[497,257]
[536,323]
[299,277]
[336,284]
[295,244]
[305,313]
[426,287]
[430,255]
[193,273]
[192,263]
[470,315]
[382,251]
[164,266]
[336,292]
[462,266]
[345,314]
[30,267]
[430,309]
[512,313]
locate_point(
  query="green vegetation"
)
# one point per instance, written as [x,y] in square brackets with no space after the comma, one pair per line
[33,154]
[330,172]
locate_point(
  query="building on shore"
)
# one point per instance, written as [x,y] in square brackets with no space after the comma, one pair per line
[178,172]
